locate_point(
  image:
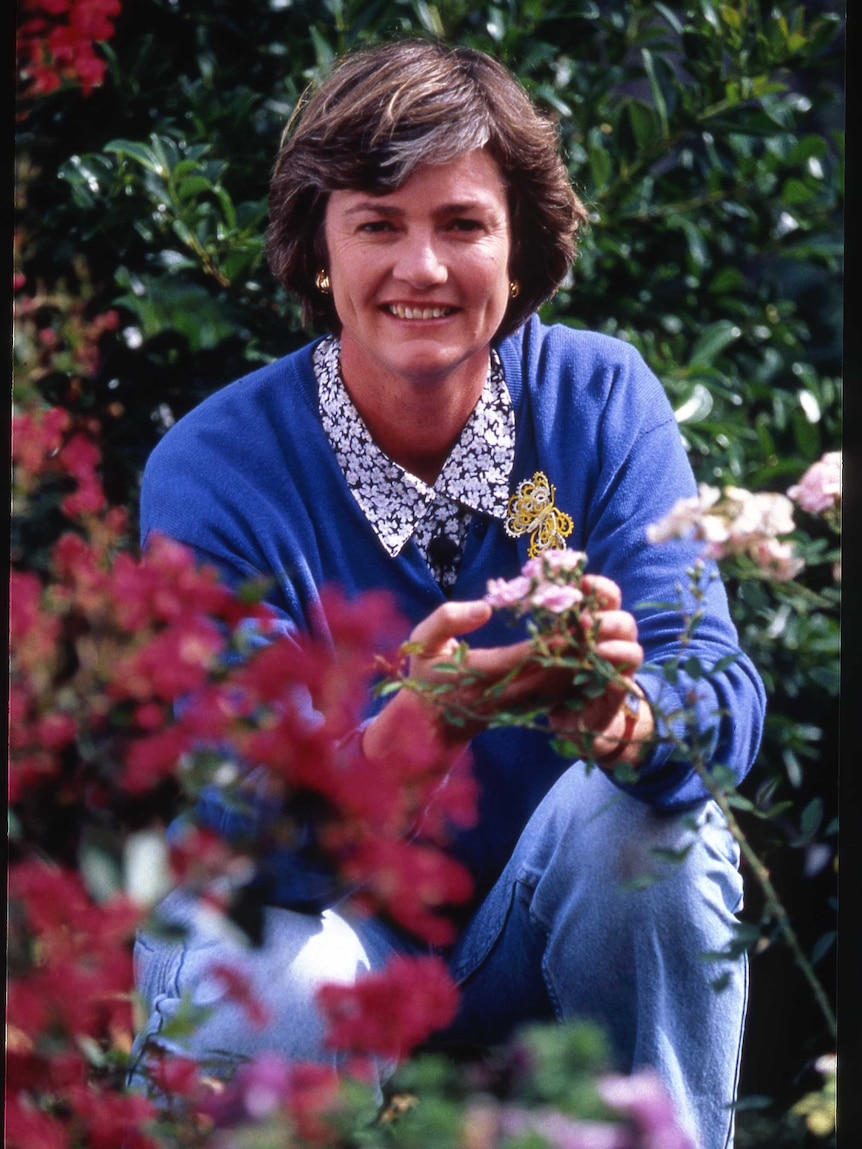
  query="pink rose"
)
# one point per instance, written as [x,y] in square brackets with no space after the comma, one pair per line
[504,593]
[820,486]
[556,599]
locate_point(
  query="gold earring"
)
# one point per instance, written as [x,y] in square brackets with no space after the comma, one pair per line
[514,289]
[322,282]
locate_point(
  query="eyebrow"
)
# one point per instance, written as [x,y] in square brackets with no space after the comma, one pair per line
[444,209]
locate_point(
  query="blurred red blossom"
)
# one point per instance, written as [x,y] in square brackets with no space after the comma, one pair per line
[56,43]
[69,984]
[388,1014]
[411,882]
[135,676]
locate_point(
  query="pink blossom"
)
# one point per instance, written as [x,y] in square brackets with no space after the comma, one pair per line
[820,486]
[504,593]
[684,518]
[715,533]
[271,1085]
[738,523]
[556,599]
[642,1098]
[545,583]
[777,559]
[562,1132]
[553,562]
[756,516]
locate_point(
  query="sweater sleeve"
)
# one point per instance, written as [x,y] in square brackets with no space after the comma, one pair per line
[606,436]
[706,696]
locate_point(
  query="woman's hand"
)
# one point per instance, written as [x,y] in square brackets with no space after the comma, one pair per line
[603,727]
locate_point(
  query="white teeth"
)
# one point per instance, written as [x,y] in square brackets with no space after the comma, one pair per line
[402,312]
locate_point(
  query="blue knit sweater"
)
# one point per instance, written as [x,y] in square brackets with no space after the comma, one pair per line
[249,481]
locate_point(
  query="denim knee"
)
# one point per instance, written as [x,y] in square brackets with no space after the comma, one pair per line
[300,952]
[593,845]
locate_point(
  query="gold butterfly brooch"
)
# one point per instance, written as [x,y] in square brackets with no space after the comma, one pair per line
[531,511]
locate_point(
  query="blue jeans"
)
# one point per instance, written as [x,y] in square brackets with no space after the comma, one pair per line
[604,912]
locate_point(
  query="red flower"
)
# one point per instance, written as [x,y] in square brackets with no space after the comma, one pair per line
[390,1013]
[27,1126]
[173,1075]
[172,663]
[151,759]
[312,1095]
[80,972]
[36,437]
[410,881]
[56,50]
[237,988]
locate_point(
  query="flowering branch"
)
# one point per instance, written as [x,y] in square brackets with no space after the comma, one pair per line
[560,610]
[739,524]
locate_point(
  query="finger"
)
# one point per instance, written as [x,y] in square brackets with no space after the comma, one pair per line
[608,595]
[617,624]
[448,621]
[625,656]
[498,661]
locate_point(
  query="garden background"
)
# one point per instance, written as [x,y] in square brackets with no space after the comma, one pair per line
[706,139]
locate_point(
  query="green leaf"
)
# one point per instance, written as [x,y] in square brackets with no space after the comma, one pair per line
[191,186]
[129,149]
[655,88]
[811,817]
[724,663]
[227,207]
[600,168]
[714,339]
[753,1102]
[822,946]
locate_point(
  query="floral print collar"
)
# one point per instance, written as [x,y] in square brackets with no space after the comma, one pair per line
[399,506]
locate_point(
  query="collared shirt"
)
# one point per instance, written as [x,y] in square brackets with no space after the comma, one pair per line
[400,506]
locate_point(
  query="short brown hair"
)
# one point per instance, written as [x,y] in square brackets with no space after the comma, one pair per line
[386,110]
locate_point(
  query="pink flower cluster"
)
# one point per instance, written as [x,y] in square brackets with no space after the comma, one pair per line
[735,522]
[548,584]
[304,1096]
[649,1121]
[49,443]
[56,42]
[819,489]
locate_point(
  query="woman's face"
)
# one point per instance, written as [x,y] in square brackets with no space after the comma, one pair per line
[420,276]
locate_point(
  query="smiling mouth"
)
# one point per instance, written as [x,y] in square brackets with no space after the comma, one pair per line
[400,311]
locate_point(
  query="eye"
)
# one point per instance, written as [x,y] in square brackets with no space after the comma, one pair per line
[375,226]
[464,224]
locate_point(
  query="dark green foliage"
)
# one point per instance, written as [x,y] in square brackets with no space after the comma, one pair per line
[705,138]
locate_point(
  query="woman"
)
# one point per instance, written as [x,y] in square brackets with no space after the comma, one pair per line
[421,212]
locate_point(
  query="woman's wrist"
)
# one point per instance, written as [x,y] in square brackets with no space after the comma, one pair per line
[409,719]
[632,731]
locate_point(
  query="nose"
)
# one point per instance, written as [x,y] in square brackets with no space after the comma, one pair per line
[419,262]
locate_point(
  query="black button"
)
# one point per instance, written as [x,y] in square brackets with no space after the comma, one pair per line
[442,551]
